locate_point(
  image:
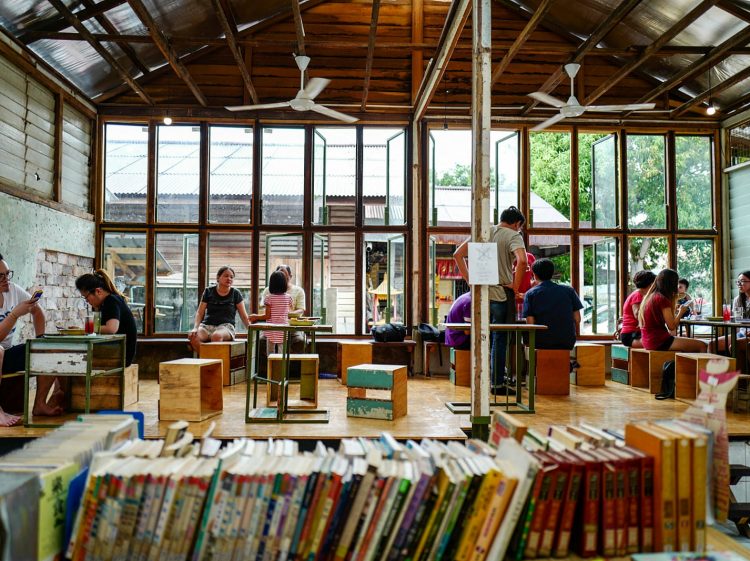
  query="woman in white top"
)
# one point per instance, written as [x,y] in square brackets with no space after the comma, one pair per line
[741,302]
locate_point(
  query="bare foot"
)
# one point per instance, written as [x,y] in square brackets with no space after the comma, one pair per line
[8,420]
[45,410]
[57,399]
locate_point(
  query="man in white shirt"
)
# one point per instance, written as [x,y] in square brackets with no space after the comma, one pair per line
[15,303]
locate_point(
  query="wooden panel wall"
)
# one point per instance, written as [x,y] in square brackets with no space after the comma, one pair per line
[76,154]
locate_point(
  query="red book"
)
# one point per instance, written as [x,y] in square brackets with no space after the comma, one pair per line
[646,507]
[548,475]
[622,465]
[632,497]
[587,514]
[608,519]
[573,492]
[554,509]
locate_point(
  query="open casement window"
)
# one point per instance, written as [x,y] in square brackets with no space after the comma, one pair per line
[433,280]
[504,192]
[280,249]
[320,253]
[605,207]
[395,179]
[384,279]
[433,208]
[320,160]
[176,282]
[604,305]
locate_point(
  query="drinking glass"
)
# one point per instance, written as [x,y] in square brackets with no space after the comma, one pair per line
[737,314]
[88,325]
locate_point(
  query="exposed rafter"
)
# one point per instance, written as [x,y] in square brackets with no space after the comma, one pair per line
[716,89]
[58,24]
[738,105]
[298,27]
[370,52]
[104,53]
[226,20]
[166,50]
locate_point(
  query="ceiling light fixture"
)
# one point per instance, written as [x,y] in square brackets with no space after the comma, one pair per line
[711,109]
[167,120]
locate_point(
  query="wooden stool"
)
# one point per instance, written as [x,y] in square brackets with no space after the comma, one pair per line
[620,364]
[741,394]
[687,367]
[427,348]
[190,389]
[646,367]
[552,372]
[233,356]
[350,353]
[460,367]
[387,377]
[105,390]
[590,357]
[308,381]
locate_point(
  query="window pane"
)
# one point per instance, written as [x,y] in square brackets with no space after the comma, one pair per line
[504,173]
[646,254]
[125,173]
[384,279]
[451,201]
[446,283]
[550,180]
[178,173]
[230,183]
[176,283]
[333,284]
[646,182]
[334,175]
[383,175]
[695,259]
[280,249]
[233,250]
[555,248]
[597,181]
[125,262]
[283,177]
[693,178]
[599,274]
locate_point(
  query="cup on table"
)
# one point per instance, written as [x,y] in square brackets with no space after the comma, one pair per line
[88,325]
[97,323]
[737,313]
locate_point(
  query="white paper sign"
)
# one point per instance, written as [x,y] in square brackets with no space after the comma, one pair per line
[483,263]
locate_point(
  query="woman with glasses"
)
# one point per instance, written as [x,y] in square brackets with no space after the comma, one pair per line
[741,305]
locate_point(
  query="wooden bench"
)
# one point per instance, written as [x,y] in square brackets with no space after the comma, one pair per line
[646,368]
[105,391]
[308,380]
[351,353]
[590,372]
[460,374]
[396,352]
[383,377]
[233,356]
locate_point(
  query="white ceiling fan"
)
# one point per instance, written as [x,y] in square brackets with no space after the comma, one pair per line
[304,100]
[572,108]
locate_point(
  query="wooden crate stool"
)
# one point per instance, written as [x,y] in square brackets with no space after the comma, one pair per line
[552,372]
[687,367]
[646,367]
[233,356]
[190,389]
[384,377]
[590,357]
[460,367]
[351,353]
[620,364]
[308,381]
[741,394]
[105,390]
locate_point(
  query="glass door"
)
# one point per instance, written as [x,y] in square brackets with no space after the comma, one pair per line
[605,309]
[396,273]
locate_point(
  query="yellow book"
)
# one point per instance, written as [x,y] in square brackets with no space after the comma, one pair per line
[449,480]
[495,513]
[478,511]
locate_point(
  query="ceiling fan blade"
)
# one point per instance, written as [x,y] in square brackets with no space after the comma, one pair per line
[546,98]
[254,107]
[328,112]
[627,107]
[549,122]
[315,86]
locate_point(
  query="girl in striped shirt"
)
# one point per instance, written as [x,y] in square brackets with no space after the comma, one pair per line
[277,304]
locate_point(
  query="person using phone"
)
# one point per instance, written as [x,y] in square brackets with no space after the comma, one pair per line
[15,303]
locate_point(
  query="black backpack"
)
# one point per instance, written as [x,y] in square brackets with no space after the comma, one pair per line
[430,333]
[667,381]
[389,333]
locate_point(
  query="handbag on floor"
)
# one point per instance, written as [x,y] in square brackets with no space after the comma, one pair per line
[667,381]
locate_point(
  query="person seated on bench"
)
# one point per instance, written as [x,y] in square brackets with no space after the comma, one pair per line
[460,312]
[15,303]
[277,304]
[296,338]
[630,334]
[658,320]
[555,305]
[741,305]
[214,319]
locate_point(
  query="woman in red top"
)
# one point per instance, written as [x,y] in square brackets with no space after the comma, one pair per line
[658,320]
[630,333]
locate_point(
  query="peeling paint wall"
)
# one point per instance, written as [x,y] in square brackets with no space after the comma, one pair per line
[27,228]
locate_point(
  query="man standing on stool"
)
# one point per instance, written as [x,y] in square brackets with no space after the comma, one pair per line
[503,297]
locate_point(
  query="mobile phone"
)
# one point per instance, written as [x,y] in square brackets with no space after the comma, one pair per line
[37,295]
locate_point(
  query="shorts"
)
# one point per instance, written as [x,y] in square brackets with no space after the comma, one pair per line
[210,329]
[15,359]
[628,338]
[666,345]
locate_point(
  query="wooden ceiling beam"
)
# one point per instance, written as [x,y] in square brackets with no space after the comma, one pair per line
[609,23]
[299,29]
[104,53]
[716,89]
[58,24]
[735,8]
[228,24]
[417,56]
[370,52]
[737,106]
[514,49]
[651,50]
[166,50]
[454,24]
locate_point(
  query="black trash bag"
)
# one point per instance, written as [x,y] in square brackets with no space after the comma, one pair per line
[667,381]
[389,333]
[430,333]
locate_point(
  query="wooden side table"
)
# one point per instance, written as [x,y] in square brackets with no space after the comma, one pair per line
[190,389]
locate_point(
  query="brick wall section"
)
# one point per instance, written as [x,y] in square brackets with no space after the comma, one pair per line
[56,274]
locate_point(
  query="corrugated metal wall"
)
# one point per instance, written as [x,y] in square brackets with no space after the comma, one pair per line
[76,149]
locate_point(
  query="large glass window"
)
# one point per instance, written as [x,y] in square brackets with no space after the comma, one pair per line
[504,176]
[646,182]
[646,254]
[695,262]
[445,282]
[384,275]
[334,175]
[232,249]
[176,283]
[557,249]
[597,181]
[694,182]
[283,176]
[333,280]
[230,181]
[178,173]
[125,172]
[550,179]
[384,176]
[124,259]
[280,249]
[599,272]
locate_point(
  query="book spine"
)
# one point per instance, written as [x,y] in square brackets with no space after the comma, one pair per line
[621,513]
[633,503]
[590,511]
[608,522]
[553,513]
[647,505]
[530,548]
[567,517]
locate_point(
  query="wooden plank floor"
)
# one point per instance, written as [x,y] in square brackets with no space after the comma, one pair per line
[610,406]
